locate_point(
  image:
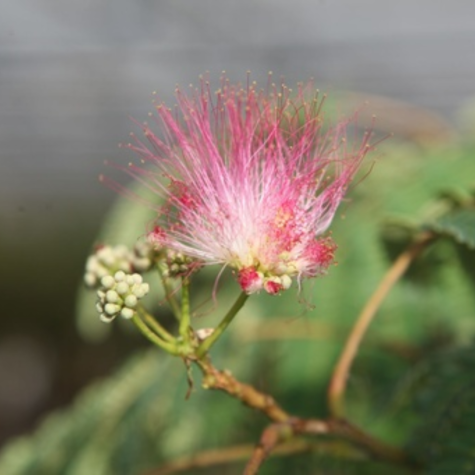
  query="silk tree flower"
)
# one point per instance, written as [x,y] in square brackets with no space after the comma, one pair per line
[251,179]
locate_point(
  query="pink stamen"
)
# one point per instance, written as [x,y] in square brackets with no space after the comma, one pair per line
[249,179]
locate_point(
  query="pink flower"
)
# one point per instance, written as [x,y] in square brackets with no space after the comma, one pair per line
[251,180]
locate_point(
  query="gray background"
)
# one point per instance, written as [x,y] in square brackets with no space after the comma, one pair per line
[71,74]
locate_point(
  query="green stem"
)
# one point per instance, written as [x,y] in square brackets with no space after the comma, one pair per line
[169,295]
[155,339]
[154,325]
[185,309]
[206,344]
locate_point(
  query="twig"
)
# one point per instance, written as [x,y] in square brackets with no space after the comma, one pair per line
[228,318]
[184,327]
[168,346]
[247,394]
[344,430]
[170,295]
[272,436]
[210,458]
[154,325]
[204,459]
[276,434]
[290,426]
[338,382]
[347,431]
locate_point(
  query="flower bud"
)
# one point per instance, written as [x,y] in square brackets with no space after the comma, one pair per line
[120,295]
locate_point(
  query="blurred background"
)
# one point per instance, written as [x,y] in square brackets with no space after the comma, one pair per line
[71,75]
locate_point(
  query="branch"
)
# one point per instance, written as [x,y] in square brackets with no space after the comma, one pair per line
[373,447]
[276,434]
[339,379]
[237,453]
[154,325]
[184,326]
[168,346]
[247,394]
[272,436]
[207,458]
[286,426]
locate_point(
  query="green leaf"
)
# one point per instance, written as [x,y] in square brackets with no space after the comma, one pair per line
[458,225]
[135,420]
[443,390]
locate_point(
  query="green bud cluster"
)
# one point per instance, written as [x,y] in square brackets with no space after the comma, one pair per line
[144,256]
[106,261]
[119,295]
[176,264]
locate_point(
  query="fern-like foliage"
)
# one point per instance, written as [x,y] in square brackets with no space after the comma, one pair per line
[443,392]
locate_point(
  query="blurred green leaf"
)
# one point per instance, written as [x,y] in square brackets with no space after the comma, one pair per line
[442,388]
[459,225]
[135,420]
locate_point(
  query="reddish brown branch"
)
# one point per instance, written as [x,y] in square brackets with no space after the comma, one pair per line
[276,434]
[205,459]
[275,438]
[210,458]
[225,381]
[286,426]
[347,431]
[338,382]
[272,436]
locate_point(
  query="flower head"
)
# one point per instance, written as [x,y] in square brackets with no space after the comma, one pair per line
[251,179]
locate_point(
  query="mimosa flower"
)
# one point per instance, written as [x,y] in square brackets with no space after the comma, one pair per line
[251,179]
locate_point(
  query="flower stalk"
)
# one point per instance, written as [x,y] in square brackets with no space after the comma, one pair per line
[185,319]
[170,294]
[155,326]
[168,346]
[205,346]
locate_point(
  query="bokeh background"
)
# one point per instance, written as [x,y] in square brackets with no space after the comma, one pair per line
[71,75]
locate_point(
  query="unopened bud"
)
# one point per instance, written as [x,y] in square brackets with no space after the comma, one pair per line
[120,295]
